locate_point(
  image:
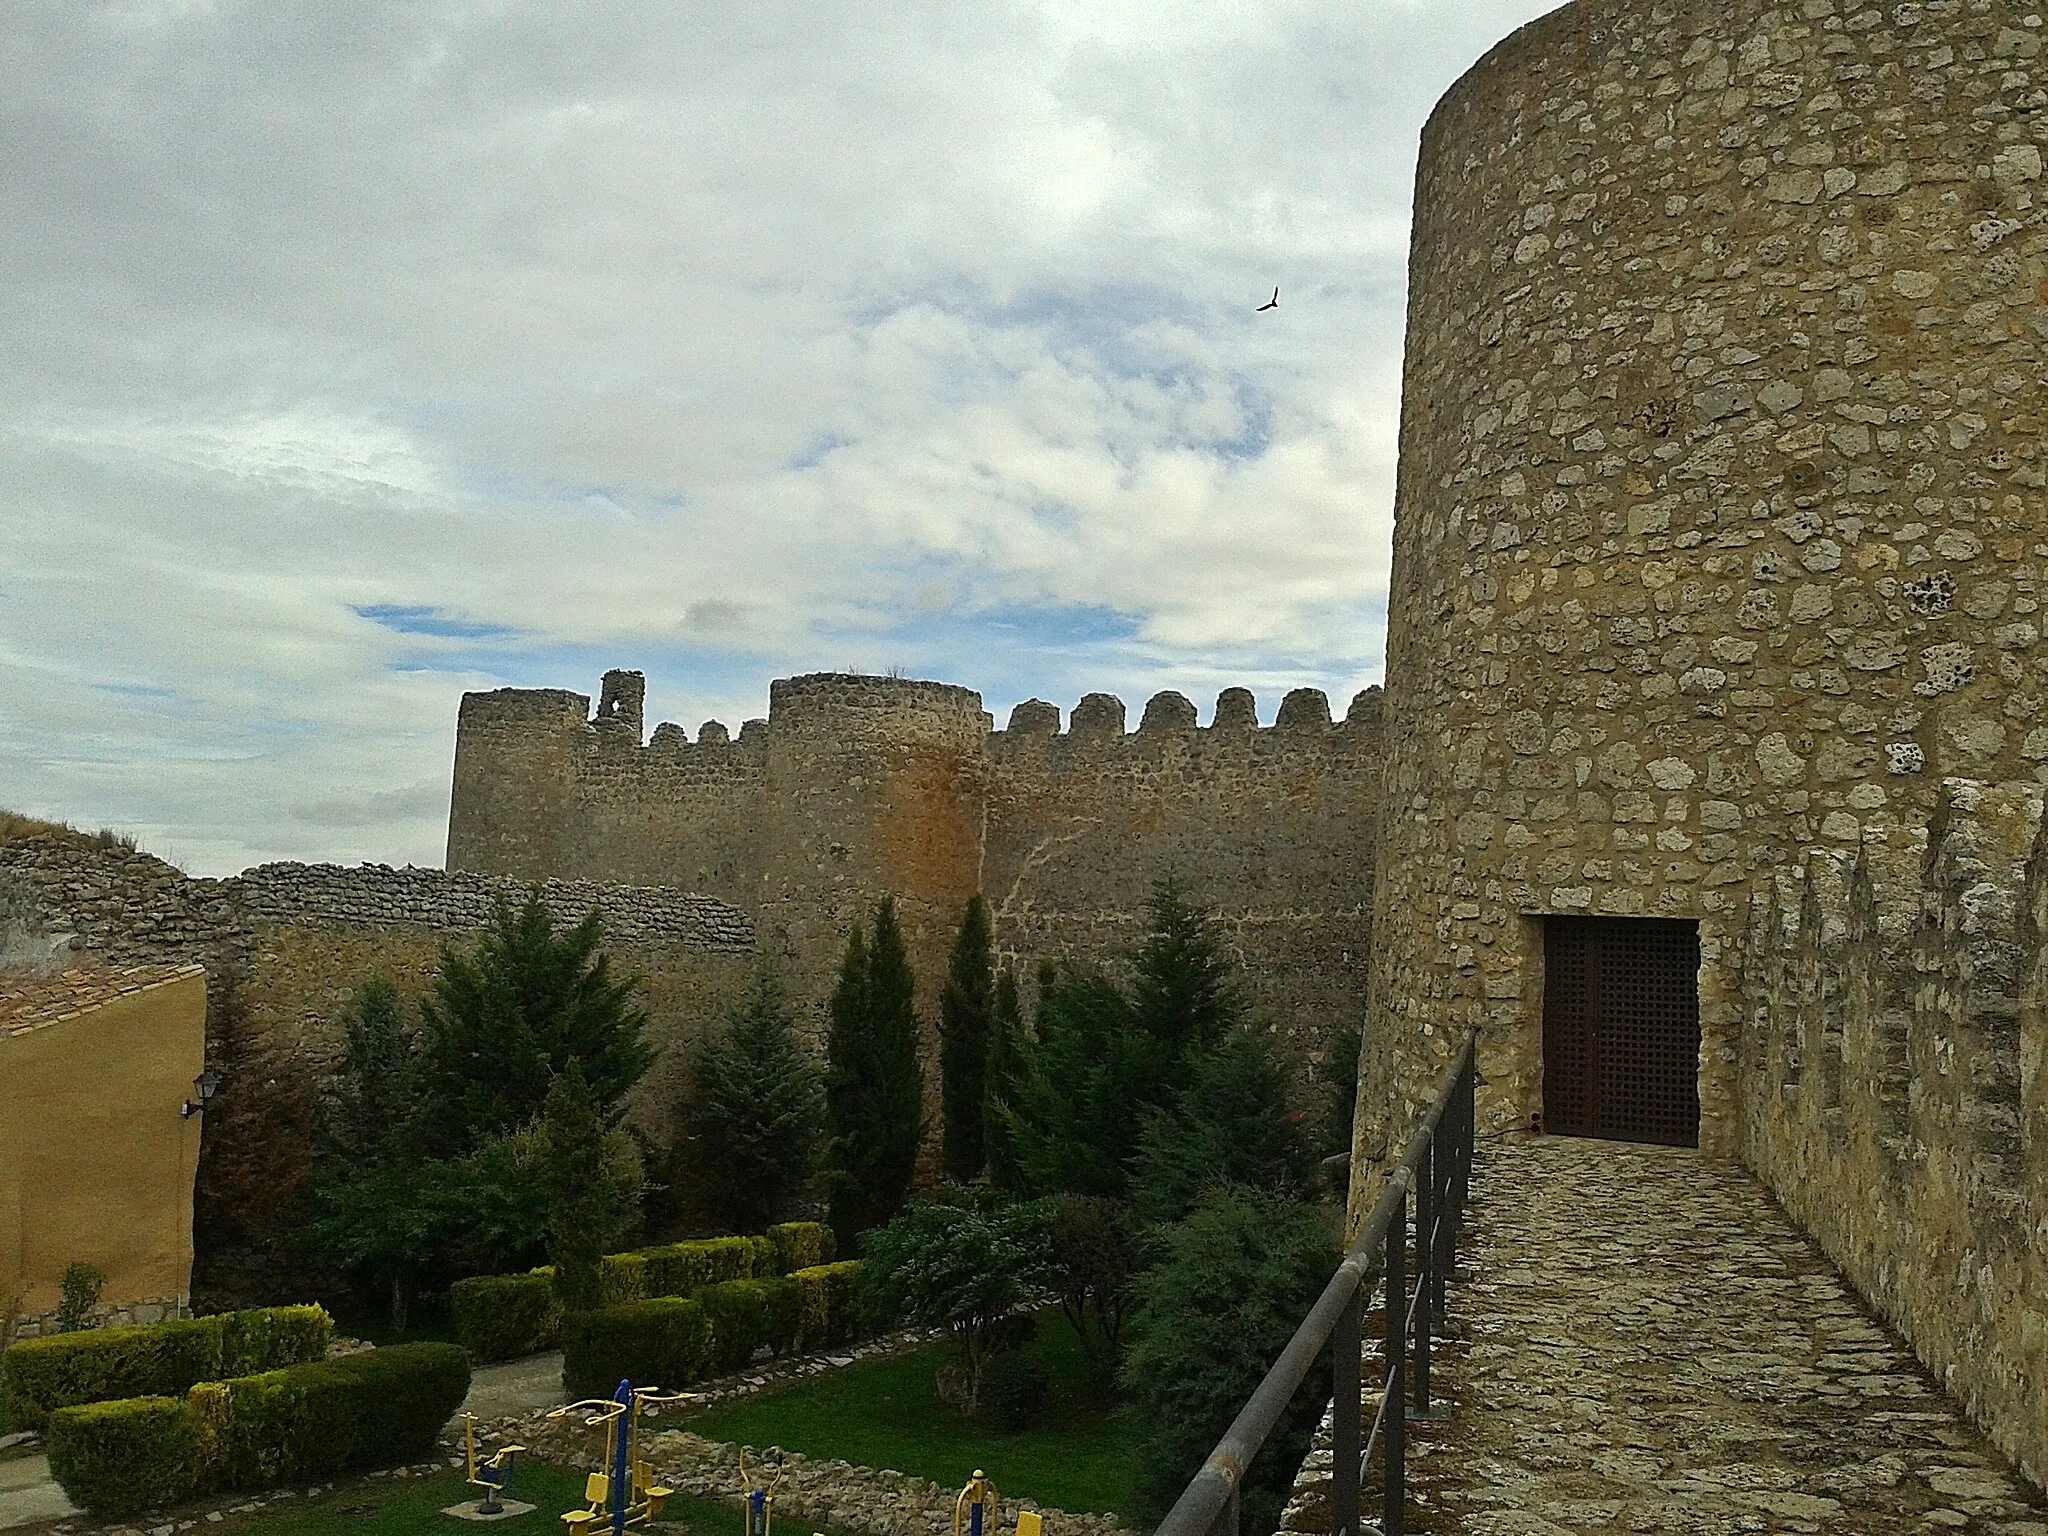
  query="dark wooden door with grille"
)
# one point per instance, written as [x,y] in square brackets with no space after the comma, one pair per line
[1621,1029]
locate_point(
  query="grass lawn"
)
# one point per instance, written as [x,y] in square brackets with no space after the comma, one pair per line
[887,1413]
[411,1506]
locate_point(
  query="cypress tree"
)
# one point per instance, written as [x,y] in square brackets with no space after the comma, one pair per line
[1231,1125]
[1005,1070]
[966,1011]
[1181,998]
[579,1198]
[874,1084]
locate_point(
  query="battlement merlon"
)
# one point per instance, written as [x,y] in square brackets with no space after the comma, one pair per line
[850,708]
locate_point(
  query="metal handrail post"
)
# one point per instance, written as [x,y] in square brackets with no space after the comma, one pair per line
[1425,1269]
[1345,1392]
[1393,1400]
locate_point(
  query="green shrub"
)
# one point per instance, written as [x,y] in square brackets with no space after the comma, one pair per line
[665,1342]
[828,1304]
[683,1269]
[307,1422]
[115,1458]
[266,1338]
[1013,1389]
[745,1314]
[81,1287]
[622,1277]
[501,1317]
[157,1359]
[801,1245]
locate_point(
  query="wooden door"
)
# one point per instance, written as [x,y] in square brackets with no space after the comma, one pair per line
[1621,1029]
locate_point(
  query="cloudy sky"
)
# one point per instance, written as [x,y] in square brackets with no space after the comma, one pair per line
[356,355]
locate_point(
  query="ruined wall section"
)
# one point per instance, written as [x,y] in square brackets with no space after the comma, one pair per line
[545,789]
[287,946]
[1720,522]
[1271,828]
[1893,1089]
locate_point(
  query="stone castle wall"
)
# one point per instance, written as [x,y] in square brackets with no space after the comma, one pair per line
[287,946]
[1720,515]
[853,787]
[1719,541]
[1898,1024]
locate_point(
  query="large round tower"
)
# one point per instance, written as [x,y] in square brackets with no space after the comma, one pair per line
[1720,515]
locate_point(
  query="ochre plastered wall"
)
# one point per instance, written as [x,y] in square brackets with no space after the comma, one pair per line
[96,1163]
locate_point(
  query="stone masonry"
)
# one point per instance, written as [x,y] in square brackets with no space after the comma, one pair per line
[1645,1344]
[1719,534]
[855,787]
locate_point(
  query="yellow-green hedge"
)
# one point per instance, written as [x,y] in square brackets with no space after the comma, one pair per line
[500,1317]
[305,1422]
[95,1365]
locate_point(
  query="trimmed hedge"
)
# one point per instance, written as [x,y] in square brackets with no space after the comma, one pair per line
[745,1314]
[683,1269]
[665,1342]
[115,1458]
[65,1370]
[305,1422]
[500,1317]
[309,1422]
[828,1307]
[801,1245]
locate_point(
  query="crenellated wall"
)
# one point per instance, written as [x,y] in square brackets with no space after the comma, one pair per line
[1892,1090]
[856,786]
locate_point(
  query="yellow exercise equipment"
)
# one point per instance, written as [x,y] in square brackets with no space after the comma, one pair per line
[493,1476]
[626,1495]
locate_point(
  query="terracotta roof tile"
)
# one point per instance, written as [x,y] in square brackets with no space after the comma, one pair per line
[30,1000]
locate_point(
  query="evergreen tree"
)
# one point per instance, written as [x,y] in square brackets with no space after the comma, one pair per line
[374,1212]
[1230,1125]
[1228,1289]
[580,1198]
[757,1112]
[874,1084]
[505,1020]
[1074,1117]
[1181,997]
[1103,1061]
[1004,1073]
[966,1022]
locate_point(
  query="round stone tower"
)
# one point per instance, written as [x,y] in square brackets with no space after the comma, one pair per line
[1720,513]
[874,787]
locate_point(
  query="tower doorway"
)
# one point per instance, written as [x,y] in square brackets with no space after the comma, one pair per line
[1621,1029]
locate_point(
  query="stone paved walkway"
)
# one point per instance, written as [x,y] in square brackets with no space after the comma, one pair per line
[1650,1346]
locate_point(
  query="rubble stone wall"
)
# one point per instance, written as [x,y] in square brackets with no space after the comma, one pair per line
[1720,519]
[853,787]
[1893,1093]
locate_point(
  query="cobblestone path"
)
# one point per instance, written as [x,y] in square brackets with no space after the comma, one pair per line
[1649,1345]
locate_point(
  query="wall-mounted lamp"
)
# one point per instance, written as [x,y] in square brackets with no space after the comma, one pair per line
[205,1085]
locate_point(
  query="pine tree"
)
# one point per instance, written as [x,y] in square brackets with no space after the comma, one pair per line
[373,1212]
[580,1198]
[1004,1073]
[505,1020]
[757,1111]
[1181,996]
[965,1023]
[874,1084]
[1231,1125]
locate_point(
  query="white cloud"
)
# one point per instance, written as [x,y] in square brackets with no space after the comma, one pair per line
[357,355]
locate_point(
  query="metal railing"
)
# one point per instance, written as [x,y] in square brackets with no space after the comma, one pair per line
[1437,1170]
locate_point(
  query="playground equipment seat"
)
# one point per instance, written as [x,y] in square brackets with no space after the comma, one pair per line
[653,1495]
[596,1491]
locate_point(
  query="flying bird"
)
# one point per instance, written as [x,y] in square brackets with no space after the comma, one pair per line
[1272,303]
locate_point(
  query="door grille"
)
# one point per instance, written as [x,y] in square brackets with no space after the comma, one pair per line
[1621,1029]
